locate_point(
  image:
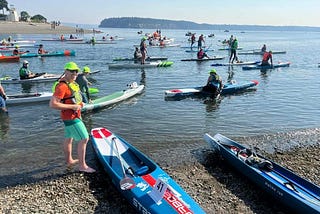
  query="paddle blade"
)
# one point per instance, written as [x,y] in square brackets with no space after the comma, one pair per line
[127,183]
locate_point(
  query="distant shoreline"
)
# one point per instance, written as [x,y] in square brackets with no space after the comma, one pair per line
[38,28]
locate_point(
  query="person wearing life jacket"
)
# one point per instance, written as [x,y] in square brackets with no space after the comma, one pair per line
[214,83]
[41,50]
[201,54]
[265,59]
[67,98]
[84,83]
[16,51]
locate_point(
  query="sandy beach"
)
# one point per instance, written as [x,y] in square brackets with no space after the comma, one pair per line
[36,28]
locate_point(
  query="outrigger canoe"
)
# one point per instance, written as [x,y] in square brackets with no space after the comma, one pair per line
[228,88]
[43,78]
[4,58]
[138,65]
[154,58]
[132,90]
[205,59]
[56,53]
[236,63]
[141,181]
[28,98]
[262,67]
[284,185]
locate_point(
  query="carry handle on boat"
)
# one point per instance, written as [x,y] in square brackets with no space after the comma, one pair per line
[126,183]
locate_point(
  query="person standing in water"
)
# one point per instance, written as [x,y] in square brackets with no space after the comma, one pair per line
[67,98]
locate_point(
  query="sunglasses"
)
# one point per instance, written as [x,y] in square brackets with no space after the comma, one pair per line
[73,71]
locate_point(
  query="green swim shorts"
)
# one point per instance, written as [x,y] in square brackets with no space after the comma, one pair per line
[75,129]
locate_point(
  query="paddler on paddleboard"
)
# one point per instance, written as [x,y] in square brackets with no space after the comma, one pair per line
[214,83]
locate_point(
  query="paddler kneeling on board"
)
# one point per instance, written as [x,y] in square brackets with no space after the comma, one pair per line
[214,83]
[68,99]
[201,54]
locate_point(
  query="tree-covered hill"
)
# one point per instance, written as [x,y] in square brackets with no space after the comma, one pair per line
[149,23]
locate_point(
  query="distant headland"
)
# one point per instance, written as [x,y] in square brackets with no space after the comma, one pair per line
[149,23]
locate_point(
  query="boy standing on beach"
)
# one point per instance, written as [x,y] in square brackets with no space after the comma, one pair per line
[68,99]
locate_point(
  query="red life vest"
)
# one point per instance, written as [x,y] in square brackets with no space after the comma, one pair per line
[266,56]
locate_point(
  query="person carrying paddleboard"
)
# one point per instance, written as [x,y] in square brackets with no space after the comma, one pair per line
[67,98]
[214,83]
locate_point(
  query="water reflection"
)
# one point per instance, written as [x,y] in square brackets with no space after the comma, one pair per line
[143,77]
[26,87]
[4,126]
[212,104]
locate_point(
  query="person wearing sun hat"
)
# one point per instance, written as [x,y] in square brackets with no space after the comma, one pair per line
[214,83]
[67,98]
[16,51]
[84,83]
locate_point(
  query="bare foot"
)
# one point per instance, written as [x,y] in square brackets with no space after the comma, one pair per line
[72,163]
[87,170]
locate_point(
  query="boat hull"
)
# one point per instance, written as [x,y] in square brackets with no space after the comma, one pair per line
[266,67]
[297,193]
[236,63]
[205,59]
[40,79]
[138,65]
[28,98]
[228,88]
[51,54]
[113,98]
[147,59]
[110,147]
[9,58]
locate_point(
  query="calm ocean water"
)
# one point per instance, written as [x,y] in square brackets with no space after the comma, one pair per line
[286,99]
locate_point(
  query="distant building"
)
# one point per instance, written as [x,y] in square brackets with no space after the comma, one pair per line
[13,15]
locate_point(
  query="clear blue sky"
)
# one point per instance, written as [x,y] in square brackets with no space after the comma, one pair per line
[253,12]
